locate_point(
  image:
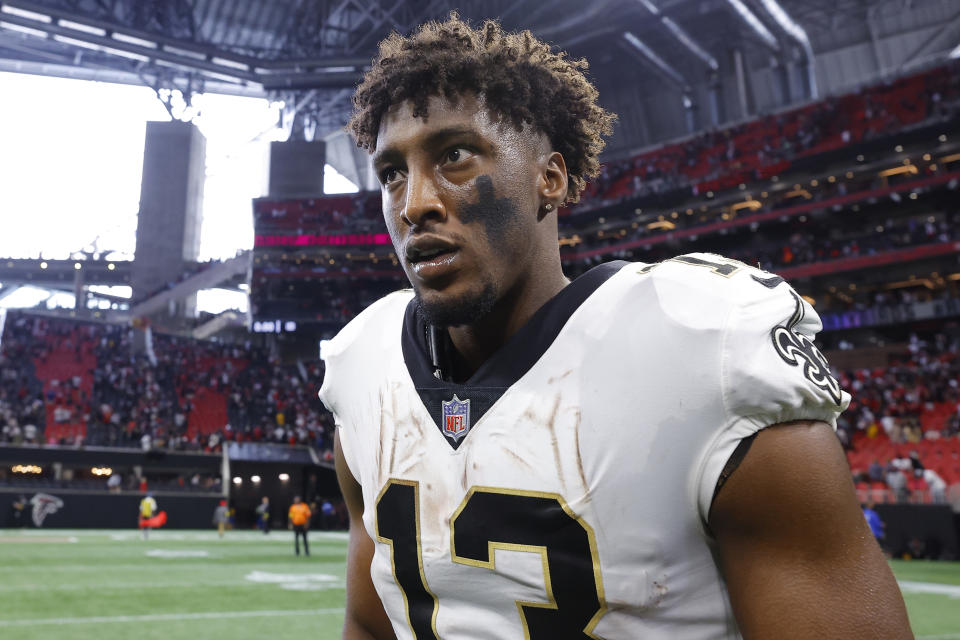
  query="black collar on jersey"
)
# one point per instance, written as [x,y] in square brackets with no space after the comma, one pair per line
[504,367]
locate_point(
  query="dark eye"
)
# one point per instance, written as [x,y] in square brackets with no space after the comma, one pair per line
[388,175]
[456,155]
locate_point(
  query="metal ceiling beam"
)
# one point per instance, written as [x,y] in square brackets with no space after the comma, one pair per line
[638,46]
[681,35]
[189,57]
[793,29]
[588,13]
[755,24]
[103,44]
[940,43]
[155,44]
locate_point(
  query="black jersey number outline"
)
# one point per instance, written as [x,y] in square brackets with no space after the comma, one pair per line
[721,266]
[492,518]
[398,525]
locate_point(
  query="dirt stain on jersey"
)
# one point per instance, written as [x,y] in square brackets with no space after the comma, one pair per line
[660,592]
[378,452]
[577,456]
[393,440]
[552,425]
[555,379]
[519,459]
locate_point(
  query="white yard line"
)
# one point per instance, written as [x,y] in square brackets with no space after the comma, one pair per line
[170,617]
[125,585]
[951,590]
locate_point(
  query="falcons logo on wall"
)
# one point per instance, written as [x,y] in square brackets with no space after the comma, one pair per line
[43,505]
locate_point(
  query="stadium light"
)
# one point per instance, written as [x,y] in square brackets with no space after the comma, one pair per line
[111,267]
[237,480]
[255,479]
[23,13]
[284,477]
[43,265]
[26,468]
[102,471]
[76,265]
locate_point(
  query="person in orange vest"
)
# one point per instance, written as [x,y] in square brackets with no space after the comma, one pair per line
[299,521]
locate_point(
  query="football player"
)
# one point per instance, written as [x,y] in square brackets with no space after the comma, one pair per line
[645,452]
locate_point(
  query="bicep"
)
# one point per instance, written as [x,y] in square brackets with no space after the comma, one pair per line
[365,618]
[795,550]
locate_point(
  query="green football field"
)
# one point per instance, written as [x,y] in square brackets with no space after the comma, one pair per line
[112,585]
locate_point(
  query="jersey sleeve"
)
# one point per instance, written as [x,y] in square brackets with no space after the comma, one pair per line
[352,359]
[771,372]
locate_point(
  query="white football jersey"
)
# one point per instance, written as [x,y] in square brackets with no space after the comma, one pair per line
[563,490]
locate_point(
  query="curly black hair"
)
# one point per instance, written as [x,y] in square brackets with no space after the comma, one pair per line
[520,78]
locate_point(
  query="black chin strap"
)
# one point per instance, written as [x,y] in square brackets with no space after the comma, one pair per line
[433,345]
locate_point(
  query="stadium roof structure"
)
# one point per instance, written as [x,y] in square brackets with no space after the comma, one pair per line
[310,53]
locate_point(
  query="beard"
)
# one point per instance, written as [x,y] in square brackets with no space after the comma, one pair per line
[467,308]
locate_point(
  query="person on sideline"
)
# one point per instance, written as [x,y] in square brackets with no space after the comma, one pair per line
[299,517]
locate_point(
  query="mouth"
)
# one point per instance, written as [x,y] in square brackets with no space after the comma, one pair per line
[430,257]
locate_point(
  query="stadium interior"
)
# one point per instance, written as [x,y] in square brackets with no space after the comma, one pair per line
[819,141]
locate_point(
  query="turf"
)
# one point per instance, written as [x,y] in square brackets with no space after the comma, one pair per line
[935,616]
[191,585]
[112,585]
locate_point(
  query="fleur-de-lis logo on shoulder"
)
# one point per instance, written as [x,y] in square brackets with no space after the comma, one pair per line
[796,350]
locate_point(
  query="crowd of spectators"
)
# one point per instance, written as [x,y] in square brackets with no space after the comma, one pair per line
[818,238]
[22,408]
[846,194]
[176,393]
[901,429]
[712,160]
[356,213]
[766,146]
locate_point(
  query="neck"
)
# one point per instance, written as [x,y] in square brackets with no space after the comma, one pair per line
[475,343]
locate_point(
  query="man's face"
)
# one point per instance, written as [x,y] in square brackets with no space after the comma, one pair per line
[460,202]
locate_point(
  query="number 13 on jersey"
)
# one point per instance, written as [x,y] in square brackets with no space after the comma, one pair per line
[489,519]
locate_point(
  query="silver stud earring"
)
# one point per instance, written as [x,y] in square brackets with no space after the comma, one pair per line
[548,207]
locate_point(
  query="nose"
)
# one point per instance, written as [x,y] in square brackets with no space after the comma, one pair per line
[423,202]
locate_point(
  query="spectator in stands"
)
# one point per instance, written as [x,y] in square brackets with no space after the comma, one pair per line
[896,481]
[875,471]
[915,462]
[938,487]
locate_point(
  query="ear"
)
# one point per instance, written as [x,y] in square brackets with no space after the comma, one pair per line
[553,183]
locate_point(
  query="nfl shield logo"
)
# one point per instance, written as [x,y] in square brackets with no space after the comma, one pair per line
[456,418]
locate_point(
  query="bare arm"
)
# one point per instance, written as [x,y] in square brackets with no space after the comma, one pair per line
[365,617]
[795,550]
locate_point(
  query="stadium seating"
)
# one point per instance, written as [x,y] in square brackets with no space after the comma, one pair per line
[186,395]
[78,382]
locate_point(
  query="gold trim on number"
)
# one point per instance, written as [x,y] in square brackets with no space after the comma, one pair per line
[393,565]
[541,549]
